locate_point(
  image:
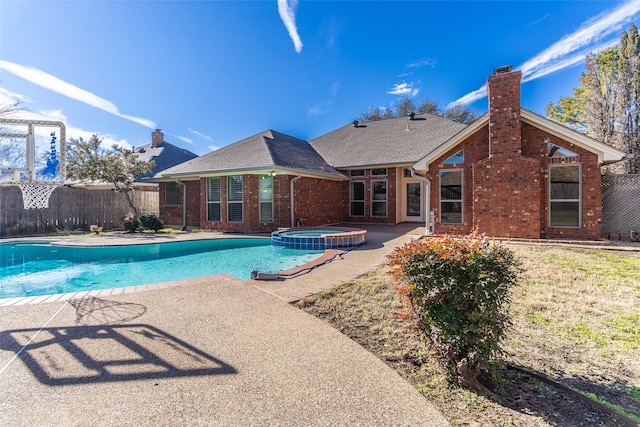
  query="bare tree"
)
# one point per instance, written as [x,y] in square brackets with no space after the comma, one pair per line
[87,161]
[405,106]
[8,108]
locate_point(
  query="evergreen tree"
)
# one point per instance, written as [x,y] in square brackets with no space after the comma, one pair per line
[606,105]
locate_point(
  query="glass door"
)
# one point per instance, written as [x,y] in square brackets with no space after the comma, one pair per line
[413,204]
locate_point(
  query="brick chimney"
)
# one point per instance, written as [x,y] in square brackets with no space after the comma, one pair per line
[503,88]
[507,192]
[157,138]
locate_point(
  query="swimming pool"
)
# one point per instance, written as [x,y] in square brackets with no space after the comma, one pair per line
[42,268]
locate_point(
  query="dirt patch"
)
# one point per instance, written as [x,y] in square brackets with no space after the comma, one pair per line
[576,319]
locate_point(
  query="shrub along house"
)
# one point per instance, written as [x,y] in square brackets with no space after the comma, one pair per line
[511,173]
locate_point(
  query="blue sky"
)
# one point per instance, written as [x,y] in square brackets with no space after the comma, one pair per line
[209,73]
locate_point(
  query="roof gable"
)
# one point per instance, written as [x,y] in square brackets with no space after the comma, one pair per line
[605,152]
[164,156]
[263,152]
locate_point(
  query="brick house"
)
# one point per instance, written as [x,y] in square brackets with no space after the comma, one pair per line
[511,173]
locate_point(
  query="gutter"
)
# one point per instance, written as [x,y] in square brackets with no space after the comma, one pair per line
[291,197]
[428,229]
[184,204]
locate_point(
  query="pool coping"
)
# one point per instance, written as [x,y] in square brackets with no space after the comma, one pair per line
[61,297]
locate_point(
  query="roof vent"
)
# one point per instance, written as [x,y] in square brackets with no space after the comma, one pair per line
[355,123]
[502,70]
[412,116]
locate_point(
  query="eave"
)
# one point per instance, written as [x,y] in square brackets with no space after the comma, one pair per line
[193,176]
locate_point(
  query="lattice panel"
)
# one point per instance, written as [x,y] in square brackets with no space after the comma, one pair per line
[620,203]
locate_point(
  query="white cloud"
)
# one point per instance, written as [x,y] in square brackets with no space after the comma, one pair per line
[55,84]
[182,138]
[8,97]
[403,89]
[426,62]
[213,147]
[287,10]
[592,36]
[319,109]
[200,134]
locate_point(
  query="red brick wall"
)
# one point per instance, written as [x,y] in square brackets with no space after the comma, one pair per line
[495,186]
[317,201]
[391,179]
[504,114]
[534,143]
[507,197]
[506,175]
[475,148]
[173,215]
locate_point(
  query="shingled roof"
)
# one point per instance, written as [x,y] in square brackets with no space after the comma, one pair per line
[264,152]
[385,142]
[164,155]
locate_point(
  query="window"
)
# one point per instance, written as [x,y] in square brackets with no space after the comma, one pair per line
[356,172]
[564,196]
[172,194]
[378,198]
[558,152]
[455,159]
[356,196]
[451,197]
[213,199]
[266,198]
[234,198]
[378,172]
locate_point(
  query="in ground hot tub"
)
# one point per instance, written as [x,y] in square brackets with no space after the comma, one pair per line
[310,238]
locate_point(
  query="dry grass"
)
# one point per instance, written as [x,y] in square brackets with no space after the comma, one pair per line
[576,319]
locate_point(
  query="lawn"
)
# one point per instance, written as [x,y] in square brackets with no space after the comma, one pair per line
[576,315]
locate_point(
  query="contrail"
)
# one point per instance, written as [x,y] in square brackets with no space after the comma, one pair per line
[288,15]
[55,84]
[571,49]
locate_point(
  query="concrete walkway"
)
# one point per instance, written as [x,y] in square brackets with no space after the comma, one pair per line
[217,352]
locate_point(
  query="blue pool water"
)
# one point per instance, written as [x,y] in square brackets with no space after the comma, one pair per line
[28,268]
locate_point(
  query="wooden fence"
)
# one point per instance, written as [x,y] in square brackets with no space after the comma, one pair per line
[620,206]
[71,209]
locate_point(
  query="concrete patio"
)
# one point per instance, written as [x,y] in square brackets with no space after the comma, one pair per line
[214,351]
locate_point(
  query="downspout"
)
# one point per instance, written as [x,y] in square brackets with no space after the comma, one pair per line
[184,204]
[428,226]
[291,197]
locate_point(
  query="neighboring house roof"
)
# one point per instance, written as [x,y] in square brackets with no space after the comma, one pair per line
[385,142]
[606,153]
[265,152]
[164,155]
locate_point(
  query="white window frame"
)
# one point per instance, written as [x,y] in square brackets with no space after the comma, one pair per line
[375,201]
[461,200]
[166,192]
[218,202]
[262,201]
[363,200]
[232,202]
[578,200]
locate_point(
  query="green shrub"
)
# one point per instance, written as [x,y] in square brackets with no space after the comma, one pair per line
[130,224]
[151,222]
[456,292]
